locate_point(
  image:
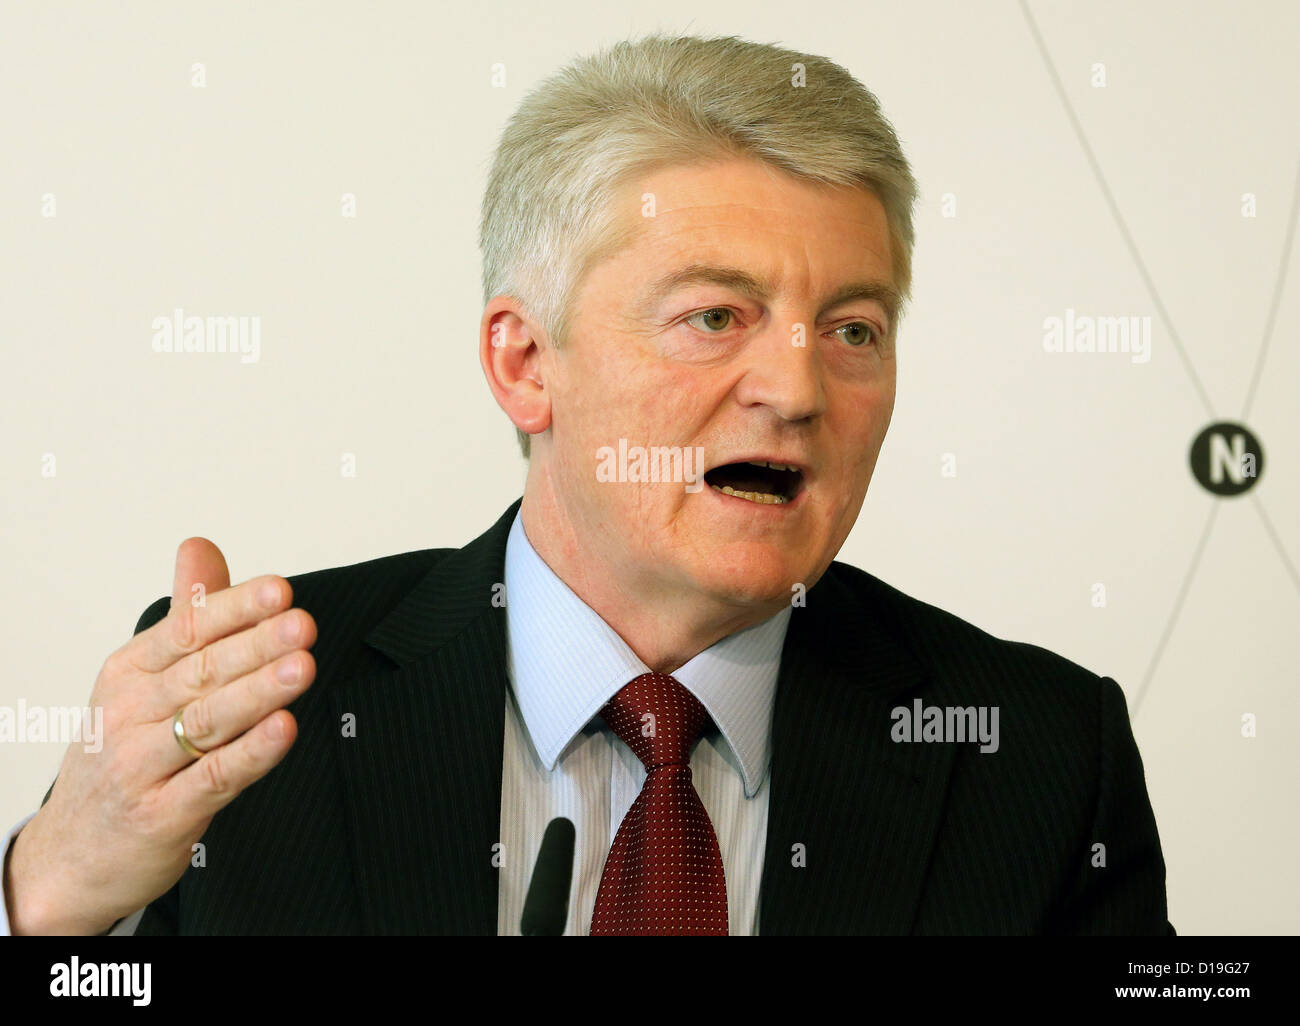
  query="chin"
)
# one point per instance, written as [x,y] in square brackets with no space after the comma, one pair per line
[753,572]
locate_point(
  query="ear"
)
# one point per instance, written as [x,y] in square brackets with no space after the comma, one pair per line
[510,350]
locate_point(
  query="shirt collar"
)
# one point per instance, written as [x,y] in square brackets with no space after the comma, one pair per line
[565,663]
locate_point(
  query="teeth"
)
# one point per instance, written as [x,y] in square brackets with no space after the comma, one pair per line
[769,463]
[760,497]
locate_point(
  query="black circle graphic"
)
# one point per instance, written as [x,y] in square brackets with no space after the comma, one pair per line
[1226,458]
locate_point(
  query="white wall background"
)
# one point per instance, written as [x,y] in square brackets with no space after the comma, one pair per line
[1072,469]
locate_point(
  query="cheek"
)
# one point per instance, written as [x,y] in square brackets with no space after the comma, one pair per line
[668,403]
[864,413]
[882,412]
[603,375]
[654,403]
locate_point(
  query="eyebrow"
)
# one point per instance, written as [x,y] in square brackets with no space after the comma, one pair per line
[742,281]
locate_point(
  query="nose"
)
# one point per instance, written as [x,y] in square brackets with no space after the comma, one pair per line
[783,374]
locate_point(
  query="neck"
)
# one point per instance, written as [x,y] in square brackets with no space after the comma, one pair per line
[665,624]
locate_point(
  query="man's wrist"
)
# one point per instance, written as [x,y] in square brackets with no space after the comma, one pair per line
[31,908]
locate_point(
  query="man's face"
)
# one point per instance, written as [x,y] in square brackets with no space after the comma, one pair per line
[718,365]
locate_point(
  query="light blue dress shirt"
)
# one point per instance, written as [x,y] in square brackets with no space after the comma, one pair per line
[565,663]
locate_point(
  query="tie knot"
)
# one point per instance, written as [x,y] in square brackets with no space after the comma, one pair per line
[656,717]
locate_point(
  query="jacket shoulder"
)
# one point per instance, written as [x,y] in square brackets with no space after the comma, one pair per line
[955,650]
[393,574]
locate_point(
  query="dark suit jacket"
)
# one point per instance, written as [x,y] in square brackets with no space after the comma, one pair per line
[391,831]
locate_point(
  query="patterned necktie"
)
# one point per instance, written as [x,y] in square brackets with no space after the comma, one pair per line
[664,871]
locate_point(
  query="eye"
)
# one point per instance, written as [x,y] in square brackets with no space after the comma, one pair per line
[871,334]
[712,314]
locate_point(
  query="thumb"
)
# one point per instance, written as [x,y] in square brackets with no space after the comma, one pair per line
[198,561]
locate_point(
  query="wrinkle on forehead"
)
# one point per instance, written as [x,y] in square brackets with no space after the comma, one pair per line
[766,226]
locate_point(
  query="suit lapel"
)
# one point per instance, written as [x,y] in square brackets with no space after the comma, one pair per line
[422,777]
[862,809]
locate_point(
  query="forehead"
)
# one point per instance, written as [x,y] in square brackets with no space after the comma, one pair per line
[693,208]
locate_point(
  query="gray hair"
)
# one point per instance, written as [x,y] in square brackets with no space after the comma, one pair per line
[641,105]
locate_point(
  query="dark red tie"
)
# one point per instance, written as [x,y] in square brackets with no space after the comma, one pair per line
[664,871]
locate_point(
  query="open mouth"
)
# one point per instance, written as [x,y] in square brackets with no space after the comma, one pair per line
[769,484]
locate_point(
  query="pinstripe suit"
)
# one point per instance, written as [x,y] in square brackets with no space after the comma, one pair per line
[393,836]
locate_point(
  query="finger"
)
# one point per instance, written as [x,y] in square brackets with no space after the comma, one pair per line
[227,660]
[212,782]
[188,628]
[226,713]
[198,562]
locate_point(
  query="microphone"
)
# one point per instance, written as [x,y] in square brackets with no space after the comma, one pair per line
[546,909]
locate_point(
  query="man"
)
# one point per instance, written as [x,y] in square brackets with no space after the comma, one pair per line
[696,255]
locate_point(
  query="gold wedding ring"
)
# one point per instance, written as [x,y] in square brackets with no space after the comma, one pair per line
[178,731]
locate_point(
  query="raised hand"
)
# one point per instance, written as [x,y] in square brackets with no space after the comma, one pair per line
[120,823]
